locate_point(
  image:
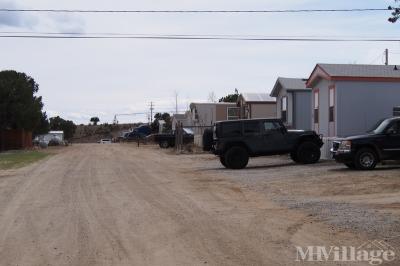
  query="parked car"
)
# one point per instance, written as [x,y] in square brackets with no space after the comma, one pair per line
[364,152]
[140,132]
[105,141]
[235,141]
[134,136]
[122,137]
[55,142]
[166,140]
[144,130]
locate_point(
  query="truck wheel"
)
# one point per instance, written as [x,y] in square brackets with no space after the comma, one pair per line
[164,144]
[222,160]
[365,159]
[293,156]
[236,157]
[308,153]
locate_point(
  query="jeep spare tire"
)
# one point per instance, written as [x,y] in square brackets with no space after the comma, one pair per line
[208,139]
[308,153]
[236,157]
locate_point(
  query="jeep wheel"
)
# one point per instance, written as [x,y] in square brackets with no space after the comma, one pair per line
[308,153]
[236,158]
[164,144]
[365,159]
[222,160]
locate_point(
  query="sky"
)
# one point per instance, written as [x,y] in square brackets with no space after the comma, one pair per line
[81,78]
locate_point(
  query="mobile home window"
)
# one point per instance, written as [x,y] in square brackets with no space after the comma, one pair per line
[331,104]
[233,113]
[284,109]
[316,107]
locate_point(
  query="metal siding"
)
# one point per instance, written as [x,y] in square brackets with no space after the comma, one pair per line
[221,113]
[323,87]
[290,109]
[265,110]
[281,94]
[302,110]
[361,104]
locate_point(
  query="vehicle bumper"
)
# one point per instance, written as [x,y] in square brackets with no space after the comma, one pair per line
[342,156]
[216,151]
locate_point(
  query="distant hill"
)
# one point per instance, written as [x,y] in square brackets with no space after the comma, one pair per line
[92,134]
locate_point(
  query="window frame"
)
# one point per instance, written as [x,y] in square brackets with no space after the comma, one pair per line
[277,126]
[284,103]
[316,106]
[332,104]
[230,118]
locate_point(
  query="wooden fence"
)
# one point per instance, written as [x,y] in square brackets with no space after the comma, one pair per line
[15,139]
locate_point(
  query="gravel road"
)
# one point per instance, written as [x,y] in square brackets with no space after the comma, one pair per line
[95,204]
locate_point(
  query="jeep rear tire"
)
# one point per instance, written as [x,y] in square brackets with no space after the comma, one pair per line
[365,159]
[236,157]
[308,153]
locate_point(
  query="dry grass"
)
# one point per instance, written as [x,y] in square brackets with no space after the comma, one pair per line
[17,159]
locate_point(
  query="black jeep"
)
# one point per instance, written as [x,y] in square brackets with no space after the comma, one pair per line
[364,152]
[235,141]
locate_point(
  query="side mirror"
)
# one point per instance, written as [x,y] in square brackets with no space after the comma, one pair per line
[391,131]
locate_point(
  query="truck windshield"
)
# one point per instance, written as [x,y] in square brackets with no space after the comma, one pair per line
[379,127]
[188,131]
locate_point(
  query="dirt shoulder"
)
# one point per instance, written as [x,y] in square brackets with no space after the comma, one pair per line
[366,203]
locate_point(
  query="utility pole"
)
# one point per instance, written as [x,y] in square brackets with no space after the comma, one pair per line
[151,112]
[386,56]
[176,102]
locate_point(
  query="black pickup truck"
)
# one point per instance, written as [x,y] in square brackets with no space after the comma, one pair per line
[166,140]
[364,152]
[235,141]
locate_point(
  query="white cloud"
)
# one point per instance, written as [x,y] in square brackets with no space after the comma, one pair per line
[11,19]
[59,22]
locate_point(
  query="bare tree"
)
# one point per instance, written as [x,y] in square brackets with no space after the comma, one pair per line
[212,98]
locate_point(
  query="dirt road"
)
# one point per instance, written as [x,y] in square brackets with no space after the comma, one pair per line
[122,205]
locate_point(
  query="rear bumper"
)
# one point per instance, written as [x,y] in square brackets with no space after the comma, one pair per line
[215,151]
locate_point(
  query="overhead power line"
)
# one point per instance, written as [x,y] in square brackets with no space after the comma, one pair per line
[193,11]
[319,36]
[192,37]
